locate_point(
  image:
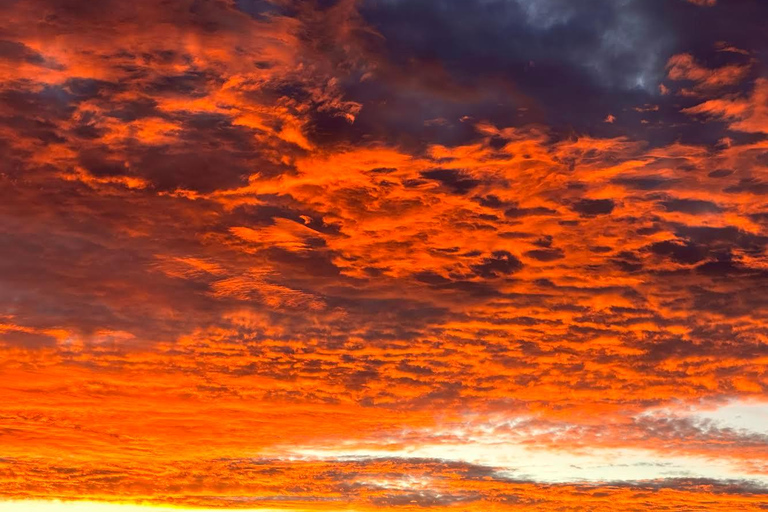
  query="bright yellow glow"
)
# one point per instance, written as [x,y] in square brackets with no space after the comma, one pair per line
[94,506]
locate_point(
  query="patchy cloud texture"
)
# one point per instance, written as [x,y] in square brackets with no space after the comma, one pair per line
[385,254]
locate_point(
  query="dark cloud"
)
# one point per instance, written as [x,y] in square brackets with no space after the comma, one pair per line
[691,206]
[19,52]
[516,212]
[27,339]
[457,181]
[500,263]
[546,254]
[724,237]
[680,252]
[592,207]
[646,183]
[749,186]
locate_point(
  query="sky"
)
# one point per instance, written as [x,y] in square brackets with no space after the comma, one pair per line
[383,255]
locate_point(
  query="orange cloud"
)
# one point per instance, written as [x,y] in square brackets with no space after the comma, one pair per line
[748,114]
[684,67]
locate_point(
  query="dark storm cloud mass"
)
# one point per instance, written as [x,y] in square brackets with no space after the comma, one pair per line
[621,43]
[243,242]
[519,60]
[548,61]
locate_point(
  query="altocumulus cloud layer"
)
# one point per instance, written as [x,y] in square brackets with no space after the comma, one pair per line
[385,254]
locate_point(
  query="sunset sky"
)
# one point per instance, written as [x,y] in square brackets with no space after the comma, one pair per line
[384,255]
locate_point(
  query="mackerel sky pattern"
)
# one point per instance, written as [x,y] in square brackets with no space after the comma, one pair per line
[384,255]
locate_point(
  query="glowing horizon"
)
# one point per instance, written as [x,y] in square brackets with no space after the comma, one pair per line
[95,506]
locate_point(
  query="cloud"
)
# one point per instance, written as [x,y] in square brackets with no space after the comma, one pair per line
[307,255]
[684,67]
[591,207]
[744,114]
